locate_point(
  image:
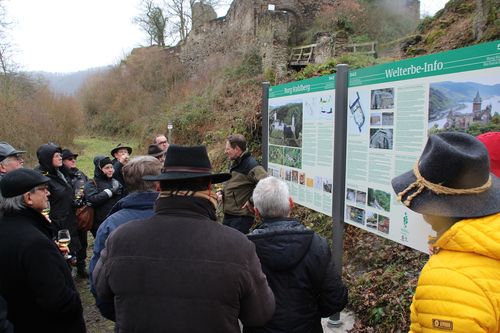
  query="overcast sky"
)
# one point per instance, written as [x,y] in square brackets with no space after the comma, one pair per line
[73,35]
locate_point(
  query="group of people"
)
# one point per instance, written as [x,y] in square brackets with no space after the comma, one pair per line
[174,255]
[162,263]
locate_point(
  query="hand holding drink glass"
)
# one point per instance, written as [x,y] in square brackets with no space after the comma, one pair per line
[63,239]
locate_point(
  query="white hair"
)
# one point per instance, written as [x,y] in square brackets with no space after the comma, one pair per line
[6,161]
[271,198]
[11,204]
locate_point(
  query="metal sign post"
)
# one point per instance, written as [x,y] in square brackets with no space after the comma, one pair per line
[265,124]
[339,168]
[170,128]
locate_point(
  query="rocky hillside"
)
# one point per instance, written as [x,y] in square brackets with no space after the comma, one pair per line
[460,23]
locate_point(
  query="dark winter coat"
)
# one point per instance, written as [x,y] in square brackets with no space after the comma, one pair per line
[184,273]
[5,324]
[35,280]
[101,200]
[245,174]
[135,206]
[118,174]
[298,266]
[62,210]
[77,180]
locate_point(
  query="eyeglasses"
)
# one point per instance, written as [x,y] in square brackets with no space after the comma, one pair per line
[71,159]
[162,142]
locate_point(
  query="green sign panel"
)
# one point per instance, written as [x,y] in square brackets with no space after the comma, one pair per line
[481,56]
[322,83]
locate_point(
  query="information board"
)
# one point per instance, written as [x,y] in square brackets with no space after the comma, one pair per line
[300,147]
[392,109]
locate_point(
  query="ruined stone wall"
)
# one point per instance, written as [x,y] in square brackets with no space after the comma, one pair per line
[250,25]
[302,12]
[272,37]
[201,14]
[219,37]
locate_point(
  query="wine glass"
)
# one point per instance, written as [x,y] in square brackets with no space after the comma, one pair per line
[63,239]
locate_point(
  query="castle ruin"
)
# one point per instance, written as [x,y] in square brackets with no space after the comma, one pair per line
[260,25]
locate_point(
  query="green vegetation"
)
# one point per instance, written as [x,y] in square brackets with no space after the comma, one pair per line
[379,199]
[87,147]
[329,67]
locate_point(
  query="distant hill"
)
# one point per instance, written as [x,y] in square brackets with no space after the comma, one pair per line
[67,83]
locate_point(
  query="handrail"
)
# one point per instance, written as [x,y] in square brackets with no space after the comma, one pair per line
[301,55]
[358,47]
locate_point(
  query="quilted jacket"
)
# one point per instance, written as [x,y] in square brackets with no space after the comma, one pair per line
[459,287]
[245,174]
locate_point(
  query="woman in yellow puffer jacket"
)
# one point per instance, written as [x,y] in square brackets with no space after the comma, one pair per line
[451,186]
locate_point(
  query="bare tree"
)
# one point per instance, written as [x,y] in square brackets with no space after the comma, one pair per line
[6,64]
[173,16]
[153,21]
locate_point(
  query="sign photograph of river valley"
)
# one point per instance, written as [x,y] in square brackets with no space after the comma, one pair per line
[457,105]
[300,144]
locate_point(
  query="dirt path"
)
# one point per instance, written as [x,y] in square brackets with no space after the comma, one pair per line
[93,319]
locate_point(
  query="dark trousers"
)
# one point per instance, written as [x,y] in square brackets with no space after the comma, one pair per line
[241,223]
[81,254]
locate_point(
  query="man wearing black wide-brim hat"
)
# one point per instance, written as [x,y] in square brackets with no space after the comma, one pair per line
[452,187]
[181,271]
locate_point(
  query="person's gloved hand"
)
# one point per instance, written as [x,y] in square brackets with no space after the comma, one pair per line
[117,188]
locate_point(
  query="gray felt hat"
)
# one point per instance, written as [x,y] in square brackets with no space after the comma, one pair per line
[459,165]
[7,150]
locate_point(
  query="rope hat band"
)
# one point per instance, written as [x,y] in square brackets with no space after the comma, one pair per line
[421,184]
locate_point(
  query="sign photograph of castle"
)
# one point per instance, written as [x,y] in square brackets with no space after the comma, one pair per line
[458,105]
[285,124]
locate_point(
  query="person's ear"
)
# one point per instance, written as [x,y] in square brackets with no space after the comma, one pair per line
[292,204]
[157,186]
[27,199]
